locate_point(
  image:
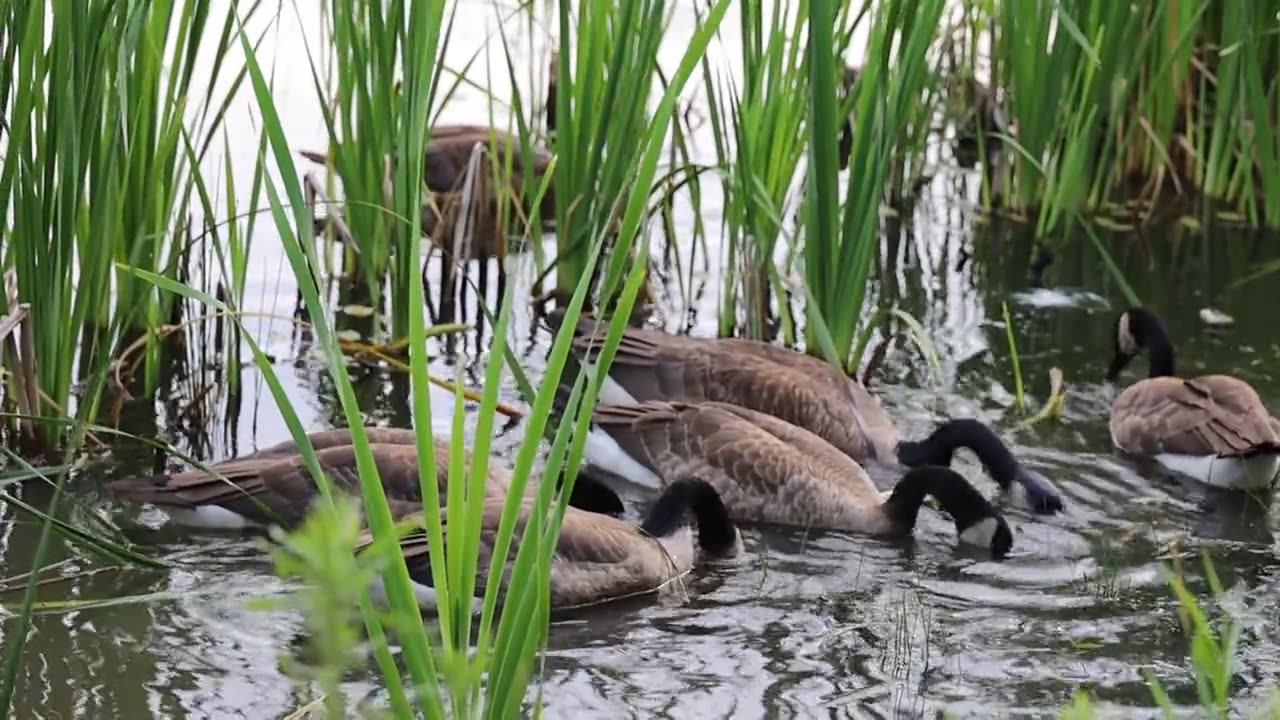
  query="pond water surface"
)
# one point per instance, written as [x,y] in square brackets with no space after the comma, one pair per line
[801,625]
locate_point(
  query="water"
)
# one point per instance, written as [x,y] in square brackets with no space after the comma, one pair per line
[802,625]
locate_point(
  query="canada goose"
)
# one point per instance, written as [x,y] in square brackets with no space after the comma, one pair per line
[768,470]
[447,157]
[800,389]
[598,558]
[274,485]
[1213,428]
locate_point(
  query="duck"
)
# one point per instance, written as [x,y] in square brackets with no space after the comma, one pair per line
[274,487]
[1211,428]
[800,389]
[598,558]
[767,470]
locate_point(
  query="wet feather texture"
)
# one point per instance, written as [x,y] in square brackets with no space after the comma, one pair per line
[1213,428]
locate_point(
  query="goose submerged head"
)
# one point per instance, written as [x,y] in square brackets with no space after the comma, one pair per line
[1138,329]
[1024,487]
[977,522]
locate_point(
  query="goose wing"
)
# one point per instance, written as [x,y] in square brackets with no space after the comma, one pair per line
[801,389]
[270,489]
[597,557]
[337,437]
[396,455]
[765,469]
[1209,415]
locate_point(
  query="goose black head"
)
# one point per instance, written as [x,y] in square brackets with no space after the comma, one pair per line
[1024,487]
[977,522]
[1138,329]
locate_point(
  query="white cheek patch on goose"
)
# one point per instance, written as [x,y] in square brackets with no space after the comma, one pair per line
[980,533]
[1128,345]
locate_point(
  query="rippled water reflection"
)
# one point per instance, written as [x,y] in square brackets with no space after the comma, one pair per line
[801,625]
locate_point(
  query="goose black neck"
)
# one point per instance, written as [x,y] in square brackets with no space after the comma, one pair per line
[940,447]
[1160,354]
[1149,329]
[956,496]
[693,497]
[594,495]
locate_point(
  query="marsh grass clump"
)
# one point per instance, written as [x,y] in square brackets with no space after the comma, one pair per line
[474,666]
[109,108]
[1115,102]
[841,239]
[611,62]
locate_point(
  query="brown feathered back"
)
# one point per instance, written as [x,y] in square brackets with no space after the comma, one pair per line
[799,388]
[274,485]
[340,436]
[764,468]
[1208,415]
[597,559]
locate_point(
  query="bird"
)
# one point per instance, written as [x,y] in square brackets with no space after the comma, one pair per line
[800,389]
[598,558]
[1211,428]
[446,162]
[274,486]
[769,471]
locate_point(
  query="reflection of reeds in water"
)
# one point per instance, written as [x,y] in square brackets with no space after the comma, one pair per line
[908,653]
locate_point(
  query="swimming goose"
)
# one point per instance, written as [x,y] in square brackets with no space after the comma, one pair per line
[598,558]
[274,486]
[768,470]
[1213,428]
[800,389]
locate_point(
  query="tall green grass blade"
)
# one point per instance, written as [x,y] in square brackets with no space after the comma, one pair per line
[1019,400]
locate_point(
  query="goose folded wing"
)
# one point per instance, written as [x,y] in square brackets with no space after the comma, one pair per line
[763,468]
[586,542]
[1214,415]
[336,438]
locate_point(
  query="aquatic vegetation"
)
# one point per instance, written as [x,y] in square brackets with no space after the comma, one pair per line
[604,82]
[109,109]
[114,224]
[493,679]
[1145,101]
[378,130]
[1213,651]
[760,126]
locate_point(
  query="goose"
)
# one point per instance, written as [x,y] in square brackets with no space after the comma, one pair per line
[447,157]
[273,486]
[598,558]
[1212,428]
[800,389]
[767,470]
